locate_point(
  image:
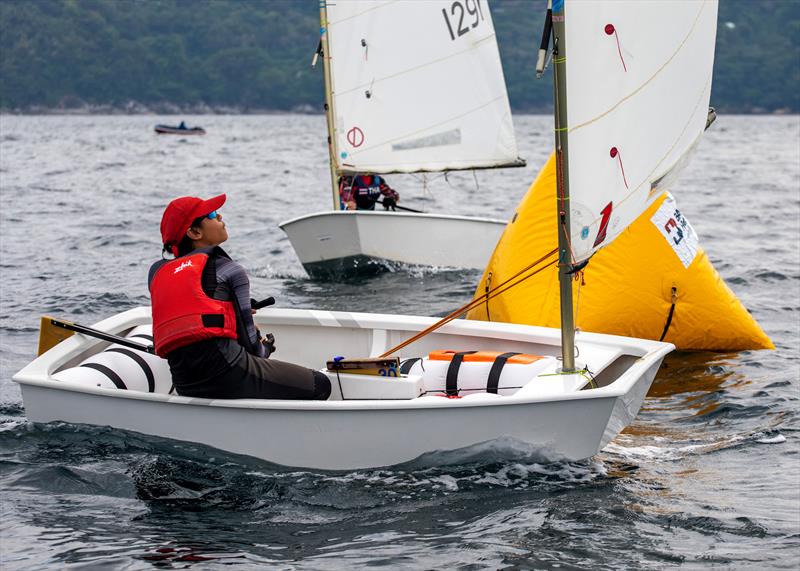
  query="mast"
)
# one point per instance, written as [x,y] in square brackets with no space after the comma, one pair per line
[326,68]
[562,185]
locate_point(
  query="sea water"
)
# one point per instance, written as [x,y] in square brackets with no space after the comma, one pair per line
[707,476]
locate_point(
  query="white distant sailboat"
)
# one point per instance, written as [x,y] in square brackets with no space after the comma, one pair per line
[403,97]
[637,80]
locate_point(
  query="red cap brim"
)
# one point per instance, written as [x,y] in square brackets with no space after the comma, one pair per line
[207,206]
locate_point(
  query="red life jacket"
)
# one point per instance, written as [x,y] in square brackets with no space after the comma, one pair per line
[182,312]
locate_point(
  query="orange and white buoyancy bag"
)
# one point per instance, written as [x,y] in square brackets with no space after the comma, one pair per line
[653,282]
[462,373]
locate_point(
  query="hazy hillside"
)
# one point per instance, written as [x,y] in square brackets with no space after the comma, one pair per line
[245,55]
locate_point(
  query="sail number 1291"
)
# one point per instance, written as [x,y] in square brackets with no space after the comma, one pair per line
[458,10]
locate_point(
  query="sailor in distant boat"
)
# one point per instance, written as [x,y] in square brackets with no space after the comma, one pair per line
[203,319]
[361,192]
[182,125]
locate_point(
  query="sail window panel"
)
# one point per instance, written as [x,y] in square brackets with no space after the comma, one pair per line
[631,127]
[408,97]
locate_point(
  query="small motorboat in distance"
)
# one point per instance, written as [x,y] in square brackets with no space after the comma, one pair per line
[181,129]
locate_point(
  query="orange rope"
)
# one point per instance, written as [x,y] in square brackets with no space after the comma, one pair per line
[500,288]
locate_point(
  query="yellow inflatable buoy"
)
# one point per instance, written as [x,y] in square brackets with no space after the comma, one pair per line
[654,281]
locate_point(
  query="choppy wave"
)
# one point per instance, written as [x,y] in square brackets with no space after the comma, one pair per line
[706,475]
[672,449]
[73,457]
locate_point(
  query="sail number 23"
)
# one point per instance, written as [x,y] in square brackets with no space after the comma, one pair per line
[455,19]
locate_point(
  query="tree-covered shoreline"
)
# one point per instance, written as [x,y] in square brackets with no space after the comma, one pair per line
[253,56]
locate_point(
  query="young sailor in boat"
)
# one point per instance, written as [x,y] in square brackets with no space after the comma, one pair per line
[361,192]
[202,317]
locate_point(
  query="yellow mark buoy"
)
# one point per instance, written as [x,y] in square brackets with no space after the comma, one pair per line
[653,281]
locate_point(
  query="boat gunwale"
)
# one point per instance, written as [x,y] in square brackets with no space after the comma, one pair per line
[456,217]
[39,371]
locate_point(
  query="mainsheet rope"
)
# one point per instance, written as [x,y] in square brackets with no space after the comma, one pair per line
[500,288]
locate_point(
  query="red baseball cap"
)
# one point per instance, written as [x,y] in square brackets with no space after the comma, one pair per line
[180,213]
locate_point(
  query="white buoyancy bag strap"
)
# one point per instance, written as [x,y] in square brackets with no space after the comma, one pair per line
[460,373]
[417,86]
[123,368]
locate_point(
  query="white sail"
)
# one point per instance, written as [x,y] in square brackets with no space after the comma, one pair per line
[638,87]
[417,86]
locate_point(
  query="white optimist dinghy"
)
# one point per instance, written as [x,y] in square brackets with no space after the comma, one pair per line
[370,420]
[460,382]
[437,103]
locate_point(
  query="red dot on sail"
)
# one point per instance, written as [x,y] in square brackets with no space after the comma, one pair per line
[609,29]
[613,152]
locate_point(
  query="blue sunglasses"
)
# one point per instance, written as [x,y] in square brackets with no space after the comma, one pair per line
[211,215]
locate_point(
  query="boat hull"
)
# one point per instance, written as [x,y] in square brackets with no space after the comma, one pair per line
[339,439]
[165,130]
[347,243]
[550,419]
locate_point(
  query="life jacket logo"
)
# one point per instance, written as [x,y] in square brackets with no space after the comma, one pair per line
[183,266]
